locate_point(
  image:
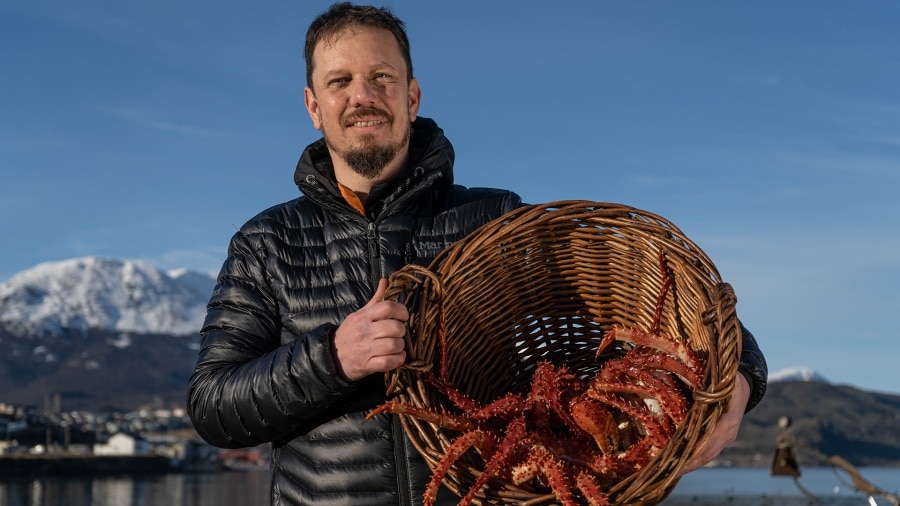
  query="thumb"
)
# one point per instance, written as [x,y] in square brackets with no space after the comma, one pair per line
[379,292]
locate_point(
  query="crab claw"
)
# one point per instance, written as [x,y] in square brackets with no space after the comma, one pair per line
[659,342]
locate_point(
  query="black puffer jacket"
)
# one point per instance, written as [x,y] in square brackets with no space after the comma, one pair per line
[265,372]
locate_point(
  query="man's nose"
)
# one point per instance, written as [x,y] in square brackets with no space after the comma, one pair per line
[363,92]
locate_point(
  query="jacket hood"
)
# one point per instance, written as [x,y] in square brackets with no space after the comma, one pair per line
[428,149]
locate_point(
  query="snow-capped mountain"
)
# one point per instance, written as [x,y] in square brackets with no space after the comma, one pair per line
[94,293]
[797,374]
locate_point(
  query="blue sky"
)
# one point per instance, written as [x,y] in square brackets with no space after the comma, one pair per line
[768,131]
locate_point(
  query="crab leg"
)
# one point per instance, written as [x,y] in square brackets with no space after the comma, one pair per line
[477,438]
[445,420]
[591,491]
[621,377]
[505,407]
[540,461]
[659,342]
[656,432]
[499,459]
[651,360]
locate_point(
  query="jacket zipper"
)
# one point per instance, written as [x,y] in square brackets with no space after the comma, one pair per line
[374,253]
[390,204]
[327,200]
[401,459]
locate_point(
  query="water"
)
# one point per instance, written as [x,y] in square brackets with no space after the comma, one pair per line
[220,489]
[755,487]
[706,487]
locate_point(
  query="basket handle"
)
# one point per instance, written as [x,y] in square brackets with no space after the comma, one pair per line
[407,280]
[727,347]
[417,288]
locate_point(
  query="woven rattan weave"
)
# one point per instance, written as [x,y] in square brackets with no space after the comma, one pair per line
[544,282]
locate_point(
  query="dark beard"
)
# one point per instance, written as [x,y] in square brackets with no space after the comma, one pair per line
[370,160]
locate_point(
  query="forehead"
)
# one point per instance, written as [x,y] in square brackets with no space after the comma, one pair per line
[357,45]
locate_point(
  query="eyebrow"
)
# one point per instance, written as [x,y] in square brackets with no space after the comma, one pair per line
[377,66]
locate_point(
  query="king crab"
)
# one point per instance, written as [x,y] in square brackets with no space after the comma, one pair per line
[575,437]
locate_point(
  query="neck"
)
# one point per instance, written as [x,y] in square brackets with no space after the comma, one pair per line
[362,185]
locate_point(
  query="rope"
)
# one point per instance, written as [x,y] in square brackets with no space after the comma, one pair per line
[839,463]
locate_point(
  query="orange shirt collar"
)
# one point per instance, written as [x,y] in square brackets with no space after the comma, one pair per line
[352,198]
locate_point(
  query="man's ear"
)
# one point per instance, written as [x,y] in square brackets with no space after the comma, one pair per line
[415,98]
[312,107]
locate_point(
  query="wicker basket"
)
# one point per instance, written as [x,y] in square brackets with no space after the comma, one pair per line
[544,282]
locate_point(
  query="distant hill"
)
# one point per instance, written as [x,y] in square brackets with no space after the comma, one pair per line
[841,420]
[97,371]
[95,333]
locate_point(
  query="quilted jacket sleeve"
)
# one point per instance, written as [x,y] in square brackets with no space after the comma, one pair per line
[753,366]
[247,388]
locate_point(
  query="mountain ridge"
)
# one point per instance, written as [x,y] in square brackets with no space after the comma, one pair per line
[95,293]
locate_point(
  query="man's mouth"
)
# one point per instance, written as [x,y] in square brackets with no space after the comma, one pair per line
[366,117]
[372,122]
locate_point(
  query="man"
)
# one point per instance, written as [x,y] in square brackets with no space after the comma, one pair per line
[297,335]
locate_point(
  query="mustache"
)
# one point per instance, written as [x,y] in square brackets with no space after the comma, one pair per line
[367,112]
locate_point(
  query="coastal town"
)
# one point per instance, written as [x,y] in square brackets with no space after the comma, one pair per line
[45,441]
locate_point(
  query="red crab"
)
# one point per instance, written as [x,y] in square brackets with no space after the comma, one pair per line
[576,437]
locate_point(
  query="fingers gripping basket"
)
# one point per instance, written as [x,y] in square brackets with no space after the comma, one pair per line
[545,282]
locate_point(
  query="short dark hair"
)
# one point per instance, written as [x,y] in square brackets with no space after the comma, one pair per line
[344,14]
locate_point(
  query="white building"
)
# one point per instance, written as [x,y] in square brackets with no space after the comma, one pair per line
[122,443]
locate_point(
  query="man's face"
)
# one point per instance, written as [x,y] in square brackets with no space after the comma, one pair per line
[360,98]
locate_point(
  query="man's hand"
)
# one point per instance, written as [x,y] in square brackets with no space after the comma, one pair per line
[726,429]
[370,340]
